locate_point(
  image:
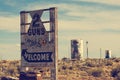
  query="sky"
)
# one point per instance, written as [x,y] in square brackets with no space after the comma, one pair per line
[95,21]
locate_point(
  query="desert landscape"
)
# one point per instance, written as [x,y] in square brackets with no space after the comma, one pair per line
[86,69]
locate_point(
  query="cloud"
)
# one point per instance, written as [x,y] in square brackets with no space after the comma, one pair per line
[91,19]
[87,25]
[10,23]
[10,3]
[112,2]
[99,26]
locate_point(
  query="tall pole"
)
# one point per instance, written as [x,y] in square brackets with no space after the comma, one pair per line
[100,57]
[100,53]
[23,32]
[87,48]
[54,28]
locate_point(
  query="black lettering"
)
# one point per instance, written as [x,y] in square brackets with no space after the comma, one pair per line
[37,56]
[33,31]
[35,18]
[42,31]
[29,32]
[38,31]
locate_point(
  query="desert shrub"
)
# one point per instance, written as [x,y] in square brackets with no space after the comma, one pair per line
[109,63]
[64,59]
[84,68]
[4,78]
[64,67]
[115,72]
[118,76]
[18,68]
[11,71]
[90,64]
[96,72]
[59,70]
[78,65]
[117,60]
[70,68]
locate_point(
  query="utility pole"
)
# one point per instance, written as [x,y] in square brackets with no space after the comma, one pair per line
[100,53]
[100,56]
[87,48]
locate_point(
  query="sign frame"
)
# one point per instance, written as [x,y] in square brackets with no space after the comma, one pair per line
[26,35]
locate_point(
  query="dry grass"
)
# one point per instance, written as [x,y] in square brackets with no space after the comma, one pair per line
[88,69]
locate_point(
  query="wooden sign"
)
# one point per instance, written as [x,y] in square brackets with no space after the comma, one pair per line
[38,46]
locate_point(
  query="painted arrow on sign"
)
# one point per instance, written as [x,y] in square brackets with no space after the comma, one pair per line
[37,56]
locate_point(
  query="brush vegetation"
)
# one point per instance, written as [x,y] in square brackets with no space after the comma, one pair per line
[87,69]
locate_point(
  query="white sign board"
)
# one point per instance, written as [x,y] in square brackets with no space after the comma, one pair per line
[38,46]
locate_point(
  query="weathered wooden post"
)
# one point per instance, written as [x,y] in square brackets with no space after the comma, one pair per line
[54,28]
